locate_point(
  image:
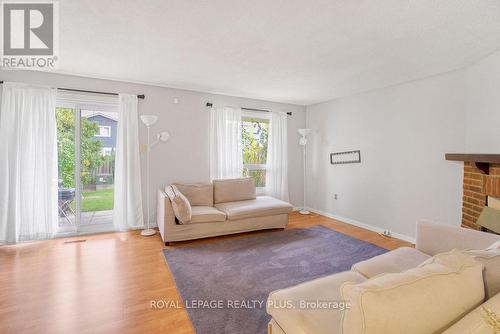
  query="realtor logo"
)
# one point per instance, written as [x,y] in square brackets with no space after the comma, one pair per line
[29,34]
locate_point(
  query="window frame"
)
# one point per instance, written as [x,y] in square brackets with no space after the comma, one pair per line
[250,167]
[105,136]
[81,103]
[107,151]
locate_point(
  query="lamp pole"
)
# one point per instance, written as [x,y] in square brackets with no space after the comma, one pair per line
[148,231]
[148,121]
[303,143]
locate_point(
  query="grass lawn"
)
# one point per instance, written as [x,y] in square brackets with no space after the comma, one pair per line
[98,200]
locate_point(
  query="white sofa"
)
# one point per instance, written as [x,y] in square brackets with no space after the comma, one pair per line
[218,208]
[432,239]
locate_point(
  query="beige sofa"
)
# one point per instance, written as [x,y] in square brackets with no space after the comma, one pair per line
[432,239]
[218,208]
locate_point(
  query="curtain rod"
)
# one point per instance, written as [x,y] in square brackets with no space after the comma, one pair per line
[251,109]
[141,96]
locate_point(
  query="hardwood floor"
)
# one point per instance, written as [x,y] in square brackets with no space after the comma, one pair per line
[105,283]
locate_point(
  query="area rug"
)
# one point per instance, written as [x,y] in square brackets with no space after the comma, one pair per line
[224,284]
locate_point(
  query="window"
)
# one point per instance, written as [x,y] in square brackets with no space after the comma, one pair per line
[107,151]
[104,131]
[255,131]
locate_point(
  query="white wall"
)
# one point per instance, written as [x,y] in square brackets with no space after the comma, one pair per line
[483,106]
[403,133]
[185,157]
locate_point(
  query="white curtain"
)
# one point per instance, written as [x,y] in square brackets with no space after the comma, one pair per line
[128,195]
[277,157]
[226,153]
[28,163]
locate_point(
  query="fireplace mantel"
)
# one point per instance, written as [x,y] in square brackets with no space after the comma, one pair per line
[482,161]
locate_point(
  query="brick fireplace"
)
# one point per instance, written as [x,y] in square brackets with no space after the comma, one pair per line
[479,190]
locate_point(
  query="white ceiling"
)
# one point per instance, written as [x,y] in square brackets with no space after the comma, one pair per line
[294,51]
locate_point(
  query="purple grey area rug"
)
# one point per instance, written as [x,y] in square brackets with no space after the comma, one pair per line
[224,284]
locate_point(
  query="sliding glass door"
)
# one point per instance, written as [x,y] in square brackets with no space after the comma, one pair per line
[66,156]
[86,155]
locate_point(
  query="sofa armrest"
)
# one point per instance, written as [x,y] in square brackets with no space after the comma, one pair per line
[435,238]
[165,217]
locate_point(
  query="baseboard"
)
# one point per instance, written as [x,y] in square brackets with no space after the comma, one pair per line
[362,225]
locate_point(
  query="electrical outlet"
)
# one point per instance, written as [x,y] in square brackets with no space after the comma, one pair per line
[335,196]
[387,233]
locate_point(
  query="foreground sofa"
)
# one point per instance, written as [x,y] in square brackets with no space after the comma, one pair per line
[397,304]
[219,208]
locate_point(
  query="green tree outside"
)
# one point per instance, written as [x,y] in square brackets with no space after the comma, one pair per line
[255,133]
[91,157]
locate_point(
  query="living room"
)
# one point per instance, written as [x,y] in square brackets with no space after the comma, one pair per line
[264,167]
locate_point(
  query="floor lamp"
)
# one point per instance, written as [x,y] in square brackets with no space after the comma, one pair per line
[150,120]
[303,143]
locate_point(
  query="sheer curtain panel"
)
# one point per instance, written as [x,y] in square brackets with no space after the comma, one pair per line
[128,212]
[277,157]
[226,153]
[28,163]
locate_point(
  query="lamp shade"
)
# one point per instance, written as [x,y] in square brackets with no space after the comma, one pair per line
[163,136]
[304,132]
[149,120]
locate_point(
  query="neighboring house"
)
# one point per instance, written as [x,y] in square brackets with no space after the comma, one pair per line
[106,134]
[107,131]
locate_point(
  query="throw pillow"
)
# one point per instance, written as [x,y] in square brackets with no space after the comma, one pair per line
[491,272]
[180,204]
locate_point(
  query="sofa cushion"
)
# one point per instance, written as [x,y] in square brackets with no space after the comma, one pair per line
[180,204]
[284,305]
[206,214]
[198,194]
[258,207]
[425,299]
[395,261]
[491,273]
[474,322]
[435,238]
[230,190]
